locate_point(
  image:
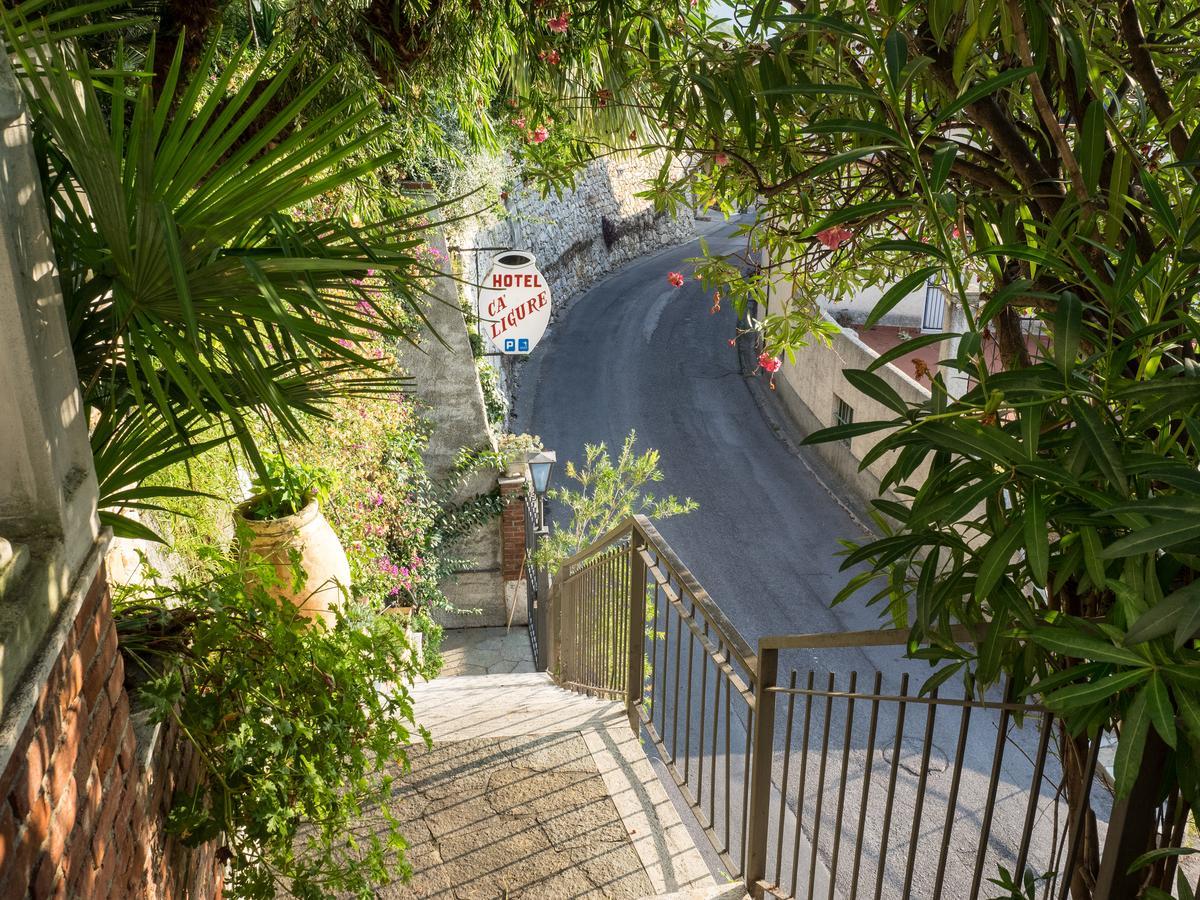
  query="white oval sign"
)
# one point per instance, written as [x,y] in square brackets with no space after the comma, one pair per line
[514,303]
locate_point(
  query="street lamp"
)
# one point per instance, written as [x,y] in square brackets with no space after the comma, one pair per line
[540,465]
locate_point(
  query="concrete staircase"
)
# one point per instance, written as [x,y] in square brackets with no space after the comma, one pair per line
[533,791]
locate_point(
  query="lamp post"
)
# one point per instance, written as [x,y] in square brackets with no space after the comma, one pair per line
[540,465]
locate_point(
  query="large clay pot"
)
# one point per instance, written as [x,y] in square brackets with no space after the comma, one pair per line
[322,558]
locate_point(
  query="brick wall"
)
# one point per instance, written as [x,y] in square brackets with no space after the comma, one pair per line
[82,802]
[512,527]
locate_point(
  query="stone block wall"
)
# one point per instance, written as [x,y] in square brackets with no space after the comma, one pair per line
[84,792]
[580,236]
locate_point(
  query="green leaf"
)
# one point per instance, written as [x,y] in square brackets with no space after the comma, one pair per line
[981,90]
[1101,443]
[1163,209]
[1082,695]
[876,388]
[845,432]
[1092,562]
[125,527]
[1037,535]
[1155,855]
[996,558]
[1068,325]
[1090,147]
[1168,615]
[896,52]
[1135,726]
[899,291]
[1160,536]
[1077,645]
[943,162]
[906,347]
[1162,714]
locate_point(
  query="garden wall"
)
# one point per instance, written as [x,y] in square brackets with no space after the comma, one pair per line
[578,237]
[85,791]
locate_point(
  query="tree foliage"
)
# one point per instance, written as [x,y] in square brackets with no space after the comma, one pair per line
[1040,160]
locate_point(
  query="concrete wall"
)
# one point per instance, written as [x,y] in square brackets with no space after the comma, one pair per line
[810,388]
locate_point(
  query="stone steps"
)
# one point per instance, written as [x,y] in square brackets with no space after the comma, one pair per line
[732,891]
[505,708]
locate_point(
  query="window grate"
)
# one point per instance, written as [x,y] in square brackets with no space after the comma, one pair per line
[843,414]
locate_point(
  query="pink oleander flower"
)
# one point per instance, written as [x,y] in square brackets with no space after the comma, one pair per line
[539,134]
[675,279]
[733,342]
[769,363]
[519,122]
[834,237]
[560,23]
[721,158]
[553,58]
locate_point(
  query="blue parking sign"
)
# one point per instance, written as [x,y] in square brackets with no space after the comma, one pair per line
[510,345]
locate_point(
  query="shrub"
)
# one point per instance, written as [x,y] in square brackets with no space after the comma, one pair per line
[299,727]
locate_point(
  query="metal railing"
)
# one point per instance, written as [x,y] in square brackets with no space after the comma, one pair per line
[829,782]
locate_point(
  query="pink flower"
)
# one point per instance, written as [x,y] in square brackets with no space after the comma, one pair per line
[675,279]
[553,58]
[560,23]
[721,158]
[834,237]
[519,121]
[539,134]
[364,306]
[769,363]
[732,342]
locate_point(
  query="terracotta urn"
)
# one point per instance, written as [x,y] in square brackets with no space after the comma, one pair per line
[321,557]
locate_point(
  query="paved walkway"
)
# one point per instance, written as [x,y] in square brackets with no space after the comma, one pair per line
[535,792]
[486,651]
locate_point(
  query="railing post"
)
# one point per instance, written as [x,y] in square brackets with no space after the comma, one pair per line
[761,759]
[635,675]
[548,604]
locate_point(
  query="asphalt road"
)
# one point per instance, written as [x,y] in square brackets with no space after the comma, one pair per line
[634,353]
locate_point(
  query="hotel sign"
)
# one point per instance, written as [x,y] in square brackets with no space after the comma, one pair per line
[514,303]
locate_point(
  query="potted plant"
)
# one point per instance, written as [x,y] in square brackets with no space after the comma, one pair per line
[514,449]
[282,524]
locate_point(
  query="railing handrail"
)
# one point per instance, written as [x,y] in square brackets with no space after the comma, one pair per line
[639,525]
[618,601]
[882,637]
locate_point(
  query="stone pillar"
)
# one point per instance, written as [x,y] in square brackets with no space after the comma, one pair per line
[49,488]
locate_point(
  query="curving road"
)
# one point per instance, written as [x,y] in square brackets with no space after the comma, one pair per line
[635,353]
